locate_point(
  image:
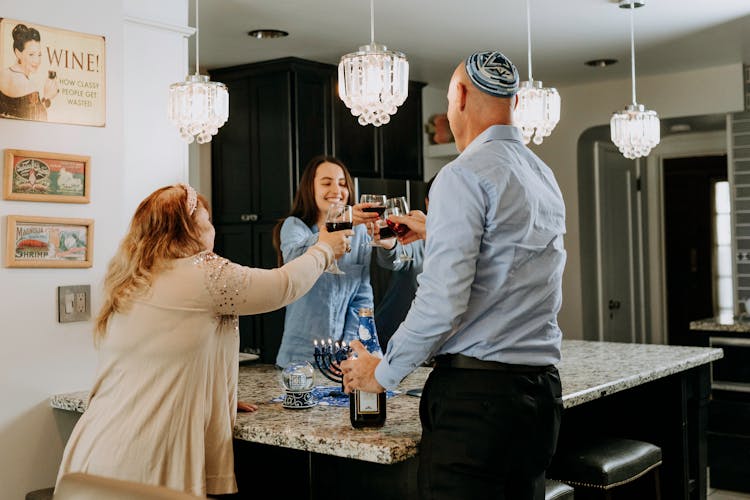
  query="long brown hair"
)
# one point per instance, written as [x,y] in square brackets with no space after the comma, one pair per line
[304,206]
[162,229]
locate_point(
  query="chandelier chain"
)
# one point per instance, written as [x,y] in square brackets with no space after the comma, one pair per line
[198,106]
[538,108]
[632,50]
[373,81]
[528,34]
[197,34]
[635,130]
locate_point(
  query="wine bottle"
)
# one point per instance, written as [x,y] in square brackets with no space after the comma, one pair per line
[367,409]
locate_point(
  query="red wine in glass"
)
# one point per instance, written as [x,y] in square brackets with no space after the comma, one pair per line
[377,209]
[338,226]
[399,229]
[386,232]
[398,206]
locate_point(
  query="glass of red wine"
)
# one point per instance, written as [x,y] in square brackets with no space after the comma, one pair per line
[397,206]
[338,218]
[377,205]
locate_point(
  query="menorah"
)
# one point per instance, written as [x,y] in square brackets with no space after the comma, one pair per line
[328,356]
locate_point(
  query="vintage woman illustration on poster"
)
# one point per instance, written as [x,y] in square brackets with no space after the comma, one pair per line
[50,74]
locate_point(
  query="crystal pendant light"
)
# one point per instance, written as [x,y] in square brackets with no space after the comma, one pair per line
[635,130]
[538,109]
[198,106]
[373,81]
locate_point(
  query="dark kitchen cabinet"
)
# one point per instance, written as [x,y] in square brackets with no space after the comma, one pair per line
[391,151]
[401,140]
[728,433]
[282,113]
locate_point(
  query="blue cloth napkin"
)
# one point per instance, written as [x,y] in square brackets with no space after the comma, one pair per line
[326,395]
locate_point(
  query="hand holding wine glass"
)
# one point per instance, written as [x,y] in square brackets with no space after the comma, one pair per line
[337,240]
[368,211]
[415,220]
[339,218]
[370,208]
[396,207]
[383,236]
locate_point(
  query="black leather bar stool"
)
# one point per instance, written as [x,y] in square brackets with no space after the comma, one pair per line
[45,494]
[601,468]
[556,490]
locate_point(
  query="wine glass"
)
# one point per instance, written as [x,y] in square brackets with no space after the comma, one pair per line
[397,206]
[378,206]
[338,218]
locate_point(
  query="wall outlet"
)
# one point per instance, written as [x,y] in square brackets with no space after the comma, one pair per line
[74,303]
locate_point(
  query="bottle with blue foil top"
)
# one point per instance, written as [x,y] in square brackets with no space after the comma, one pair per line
[367,409]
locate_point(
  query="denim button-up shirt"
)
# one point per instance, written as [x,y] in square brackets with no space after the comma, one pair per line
[331,308]
[491,286]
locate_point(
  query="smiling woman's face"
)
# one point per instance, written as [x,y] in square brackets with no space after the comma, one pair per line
[31,57]
[330,187]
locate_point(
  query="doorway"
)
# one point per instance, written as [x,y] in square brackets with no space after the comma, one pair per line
[632,193]
[689,228]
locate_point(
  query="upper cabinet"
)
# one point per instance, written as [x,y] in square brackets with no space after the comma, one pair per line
[401,139]
[278,119]
[391,151]
[319,122]
[282,113]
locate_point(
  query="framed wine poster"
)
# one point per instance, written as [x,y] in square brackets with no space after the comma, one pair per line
[51,75]
[38,176]
[49,242]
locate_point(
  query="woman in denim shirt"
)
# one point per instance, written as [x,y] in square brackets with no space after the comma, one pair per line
[330,309]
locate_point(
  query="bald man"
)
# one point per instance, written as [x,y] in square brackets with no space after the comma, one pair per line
[487,303]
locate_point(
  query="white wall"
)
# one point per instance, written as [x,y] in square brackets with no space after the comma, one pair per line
[137,151]
[434,101]
[707,91]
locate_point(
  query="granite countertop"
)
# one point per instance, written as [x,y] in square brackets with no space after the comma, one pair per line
[589,370]
[735,324]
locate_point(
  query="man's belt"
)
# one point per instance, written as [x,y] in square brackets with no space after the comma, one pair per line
[468,363]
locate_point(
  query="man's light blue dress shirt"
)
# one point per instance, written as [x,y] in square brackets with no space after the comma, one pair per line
[494,258]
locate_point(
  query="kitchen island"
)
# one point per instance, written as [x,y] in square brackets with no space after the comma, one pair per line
[653,392]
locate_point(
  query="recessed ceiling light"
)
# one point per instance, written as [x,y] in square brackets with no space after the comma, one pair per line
[264,34]
[625,4]
[601,63]
[680,127]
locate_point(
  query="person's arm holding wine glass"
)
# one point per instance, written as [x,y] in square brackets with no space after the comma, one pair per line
[389,247]
[415,221]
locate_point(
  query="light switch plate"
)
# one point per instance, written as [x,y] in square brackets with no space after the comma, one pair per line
[73,303]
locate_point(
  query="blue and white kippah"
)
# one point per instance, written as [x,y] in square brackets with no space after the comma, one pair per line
[492,73]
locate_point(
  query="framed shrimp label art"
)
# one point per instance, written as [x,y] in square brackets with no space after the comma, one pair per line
[38,176]
[51,74]
[49,242]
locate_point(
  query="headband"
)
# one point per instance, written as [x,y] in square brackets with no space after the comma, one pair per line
[192,198]
[492,73]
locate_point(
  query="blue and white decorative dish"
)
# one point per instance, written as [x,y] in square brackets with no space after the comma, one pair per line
[298,400]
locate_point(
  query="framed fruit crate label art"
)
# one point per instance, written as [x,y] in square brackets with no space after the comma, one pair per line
[39,176]
[49,242]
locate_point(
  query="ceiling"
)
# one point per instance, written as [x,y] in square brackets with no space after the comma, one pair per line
[670,35]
